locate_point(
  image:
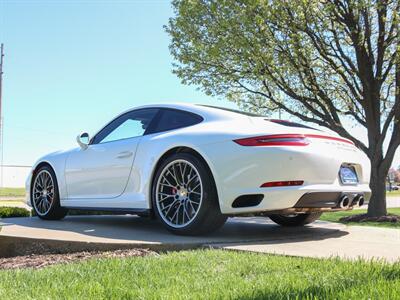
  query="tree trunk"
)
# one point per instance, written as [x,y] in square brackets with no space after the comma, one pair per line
[377,203]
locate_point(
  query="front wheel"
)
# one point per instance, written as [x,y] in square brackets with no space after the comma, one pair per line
[45,198]
[184,198]
[295,219]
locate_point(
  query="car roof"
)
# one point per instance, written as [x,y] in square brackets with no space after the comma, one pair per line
[206,111]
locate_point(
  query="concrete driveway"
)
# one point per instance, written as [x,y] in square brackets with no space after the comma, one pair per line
[321,239]
[359,242]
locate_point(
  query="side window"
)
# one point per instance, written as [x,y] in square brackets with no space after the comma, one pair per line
[129,125]
[174,119]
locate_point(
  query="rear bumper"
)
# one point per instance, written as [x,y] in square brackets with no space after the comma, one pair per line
[302,199]
[317,165]
[331,200]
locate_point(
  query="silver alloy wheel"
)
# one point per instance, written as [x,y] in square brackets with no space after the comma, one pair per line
[43,192]
[179,193]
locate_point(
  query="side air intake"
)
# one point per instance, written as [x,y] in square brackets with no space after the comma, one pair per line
[247,200]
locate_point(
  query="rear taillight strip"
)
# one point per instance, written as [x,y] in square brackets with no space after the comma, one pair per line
[286,140]
[274,140]
[333,138]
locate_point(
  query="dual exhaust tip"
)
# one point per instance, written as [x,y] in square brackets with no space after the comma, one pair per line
[345,201]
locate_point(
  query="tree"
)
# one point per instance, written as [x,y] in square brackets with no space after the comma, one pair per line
[320,61]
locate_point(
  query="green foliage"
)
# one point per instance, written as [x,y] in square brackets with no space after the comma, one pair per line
[297,55]
[206,274]
[319,61]
[11,212]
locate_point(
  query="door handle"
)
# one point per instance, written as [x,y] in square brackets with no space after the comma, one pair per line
[124,154]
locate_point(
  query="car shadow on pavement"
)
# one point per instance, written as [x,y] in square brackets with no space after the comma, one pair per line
[136,230]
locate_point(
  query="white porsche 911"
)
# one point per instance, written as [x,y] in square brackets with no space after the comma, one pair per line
[193,166]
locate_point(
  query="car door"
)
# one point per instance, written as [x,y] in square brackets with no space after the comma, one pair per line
[102,170]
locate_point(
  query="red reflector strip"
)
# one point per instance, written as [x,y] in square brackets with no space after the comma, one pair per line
[282,183]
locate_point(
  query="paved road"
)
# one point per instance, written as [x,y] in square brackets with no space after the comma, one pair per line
[322,239]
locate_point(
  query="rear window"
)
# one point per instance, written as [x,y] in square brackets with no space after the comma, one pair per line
[169,119]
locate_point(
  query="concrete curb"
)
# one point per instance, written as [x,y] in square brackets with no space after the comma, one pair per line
[11,246]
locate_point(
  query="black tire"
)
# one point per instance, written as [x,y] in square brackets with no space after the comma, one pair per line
[54,211]
[208,217]
[296,220]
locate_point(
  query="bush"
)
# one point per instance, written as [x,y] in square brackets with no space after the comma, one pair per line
[11,212]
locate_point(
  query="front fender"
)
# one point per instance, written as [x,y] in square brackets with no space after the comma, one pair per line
[56,161]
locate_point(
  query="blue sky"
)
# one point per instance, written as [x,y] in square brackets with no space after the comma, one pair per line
[74,65]
[71,66]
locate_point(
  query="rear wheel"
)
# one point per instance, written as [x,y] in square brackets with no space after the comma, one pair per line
[185,199]
[295,219]
[45,198]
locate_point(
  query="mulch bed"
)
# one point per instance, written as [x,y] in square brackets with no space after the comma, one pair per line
[40,261]
[390,218]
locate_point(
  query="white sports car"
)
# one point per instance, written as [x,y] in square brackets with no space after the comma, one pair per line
[192,166]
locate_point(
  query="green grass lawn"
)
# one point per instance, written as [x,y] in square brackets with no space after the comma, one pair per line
[205,274]
[393,193]
[10,202]
[335,216]
[12,192]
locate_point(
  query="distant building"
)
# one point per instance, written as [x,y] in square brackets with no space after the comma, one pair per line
[13,176]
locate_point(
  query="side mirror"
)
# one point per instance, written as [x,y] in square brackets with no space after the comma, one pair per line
[83,140]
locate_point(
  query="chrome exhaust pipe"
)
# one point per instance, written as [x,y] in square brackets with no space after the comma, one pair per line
[361,201]
[354,203]
[344,202]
